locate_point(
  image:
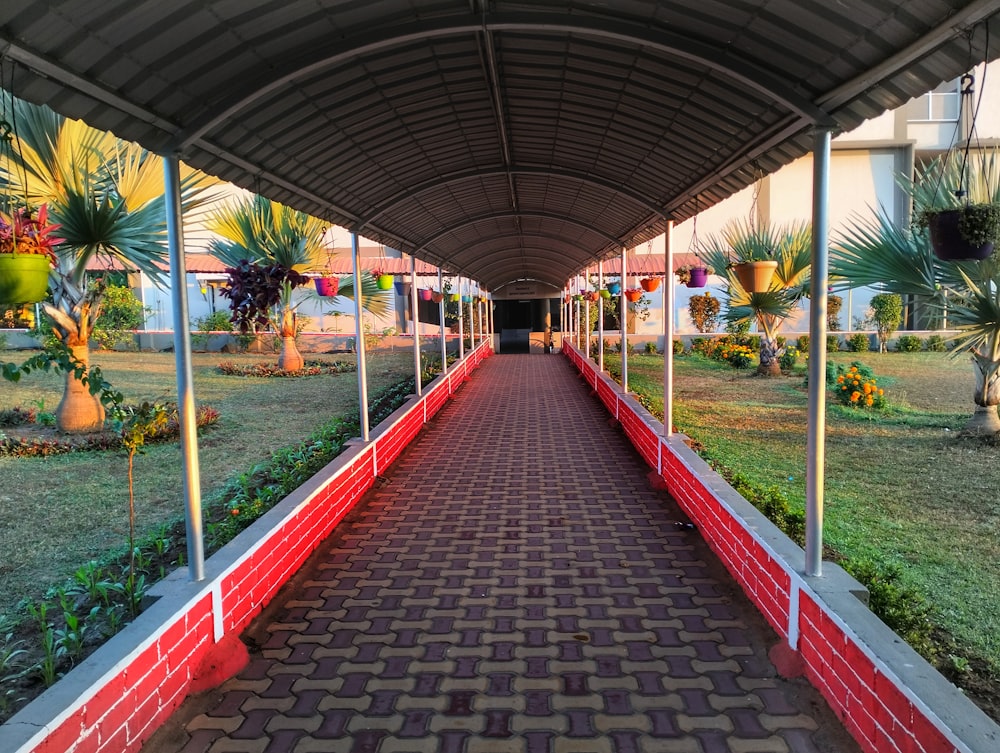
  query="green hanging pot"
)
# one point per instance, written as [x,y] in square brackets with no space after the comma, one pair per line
[24,278]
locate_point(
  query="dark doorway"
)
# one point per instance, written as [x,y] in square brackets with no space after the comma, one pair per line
[517,319]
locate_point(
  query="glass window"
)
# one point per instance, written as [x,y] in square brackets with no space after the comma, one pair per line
[942,104]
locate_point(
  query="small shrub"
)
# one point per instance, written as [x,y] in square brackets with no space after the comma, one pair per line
[788,359]
[858,342]
[909,344]
[737,356]
[650,347]
[121,314]
[858,389]
[802,343]
[832,343]
[833,305]
[678,347]
[936,344]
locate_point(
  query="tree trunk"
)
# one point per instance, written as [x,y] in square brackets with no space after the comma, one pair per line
[985,420]
[79,411]
[769,352]
[290,359]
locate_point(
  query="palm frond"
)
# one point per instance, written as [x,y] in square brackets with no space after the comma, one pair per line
[373,299]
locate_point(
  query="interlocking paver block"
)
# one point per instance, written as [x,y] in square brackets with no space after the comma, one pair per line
[512,585]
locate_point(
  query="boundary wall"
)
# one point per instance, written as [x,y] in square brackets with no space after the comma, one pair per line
[188,640]
[889,698]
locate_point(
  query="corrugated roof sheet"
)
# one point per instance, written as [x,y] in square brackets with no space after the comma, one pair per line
[506,140]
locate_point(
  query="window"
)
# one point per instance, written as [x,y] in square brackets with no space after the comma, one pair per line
[942,104]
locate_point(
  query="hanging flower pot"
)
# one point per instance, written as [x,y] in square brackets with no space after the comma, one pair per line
[425,294]
[698,277]
[632,295]
[605,293]
[948,230]
[455,297]
[400,287]
[384,282]
[466,299]
[755,276]
[649,284]
[327,286]
[614,288]
[24,278]
[437,296]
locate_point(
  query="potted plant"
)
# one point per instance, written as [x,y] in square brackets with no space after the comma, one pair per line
[383,281]
[437,296]
[956,198]
[614,288]
[605,293]
[751,253]
[694,276]
[651,283]
[455,297]
[328,287]
[425,294]
[26,255]
[632,295]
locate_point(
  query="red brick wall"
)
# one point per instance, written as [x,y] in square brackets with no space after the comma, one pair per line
[117,712]
[880,712]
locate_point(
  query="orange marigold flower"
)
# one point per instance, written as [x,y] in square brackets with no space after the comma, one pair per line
[854,396]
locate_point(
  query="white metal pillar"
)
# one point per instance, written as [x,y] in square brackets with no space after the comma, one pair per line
[185,379]
[444,330]
[600,316]
[415,318]
[586,314]
[815,443]
[668,329]
[472,320]
[359,339]
[461,324]
[623,310]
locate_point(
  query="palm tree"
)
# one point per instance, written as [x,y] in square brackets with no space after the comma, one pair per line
[108,198]
[789,245]
[880,252]
[258,231]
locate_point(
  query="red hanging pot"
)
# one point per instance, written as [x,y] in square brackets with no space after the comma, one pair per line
[327,286]
[649,284]
[425,294]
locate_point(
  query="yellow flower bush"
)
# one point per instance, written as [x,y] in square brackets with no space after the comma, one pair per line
[858,388]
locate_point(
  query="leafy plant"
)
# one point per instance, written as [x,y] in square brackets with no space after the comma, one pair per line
[856,388]
[909,344]
[121,313]
[858,342]
[704,311]
[833,305]
[886,314]
[650,347]
[936,343]
[832,343]
[789,358]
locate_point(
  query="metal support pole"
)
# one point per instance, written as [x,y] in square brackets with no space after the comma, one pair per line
[185,378]
[624,321]
[461,323]
[815,443]
[600,317]
[668,330]
[586,316]
[415,317]
[444,330]
[472,321]
[359,339]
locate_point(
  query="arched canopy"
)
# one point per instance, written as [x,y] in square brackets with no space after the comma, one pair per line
[503,140]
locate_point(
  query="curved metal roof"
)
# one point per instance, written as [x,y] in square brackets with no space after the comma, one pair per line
[503,140]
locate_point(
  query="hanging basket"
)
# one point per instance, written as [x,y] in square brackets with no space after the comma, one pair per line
[454,297]
[614,288]
[384,282]
[947,240]
[400,287]
[437,296]
[633,295]
[605,293]
[466,299]
[327,286]
[649,284]
[755,276]
[698,277]
[24,278]
[425,293]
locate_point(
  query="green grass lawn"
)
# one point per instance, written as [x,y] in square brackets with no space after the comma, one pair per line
[57,513]
[901,487]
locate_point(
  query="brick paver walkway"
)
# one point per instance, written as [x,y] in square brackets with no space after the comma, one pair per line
[515,585]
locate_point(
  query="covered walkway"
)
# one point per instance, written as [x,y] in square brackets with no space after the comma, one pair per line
[514,584]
